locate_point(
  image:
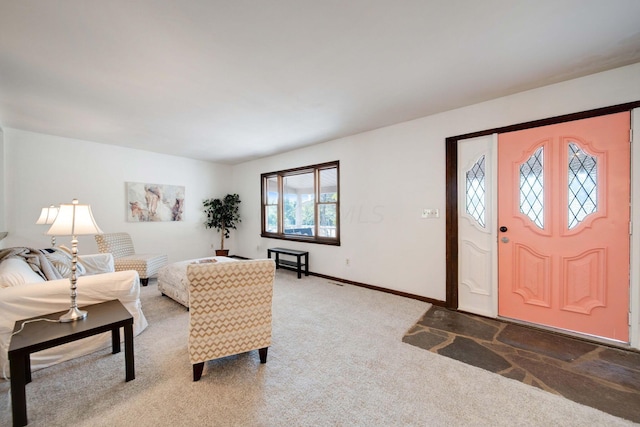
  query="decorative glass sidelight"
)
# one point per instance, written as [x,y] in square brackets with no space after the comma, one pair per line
[476,194]
[583,185]
[532,188]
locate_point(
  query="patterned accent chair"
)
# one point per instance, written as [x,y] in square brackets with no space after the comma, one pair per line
[126,258]
[229,310]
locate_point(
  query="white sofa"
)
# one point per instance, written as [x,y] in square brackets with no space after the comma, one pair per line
[25,294]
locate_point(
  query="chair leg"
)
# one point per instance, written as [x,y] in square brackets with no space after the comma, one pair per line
[197,370]
[144,282]
[263,354]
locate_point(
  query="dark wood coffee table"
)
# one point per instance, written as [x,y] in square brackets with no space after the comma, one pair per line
[37,336]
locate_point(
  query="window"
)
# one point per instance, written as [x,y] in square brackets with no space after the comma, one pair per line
[302,204]
[583,185]
[532,188]
[476,195]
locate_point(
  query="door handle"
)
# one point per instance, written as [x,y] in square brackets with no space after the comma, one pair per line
[505,240]
[503,228]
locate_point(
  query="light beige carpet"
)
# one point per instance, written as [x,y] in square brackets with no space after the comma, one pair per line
[337,359]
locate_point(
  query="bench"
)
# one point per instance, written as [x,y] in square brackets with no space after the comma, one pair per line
[289,264]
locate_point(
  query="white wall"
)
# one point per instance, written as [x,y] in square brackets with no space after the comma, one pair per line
[42,170]
[387,176]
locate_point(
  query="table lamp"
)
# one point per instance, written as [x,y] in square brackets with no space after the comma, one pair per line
[74,220]
[47,216]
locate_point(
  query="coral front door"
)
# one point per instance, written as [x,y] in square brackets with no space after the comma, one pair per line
[563,218]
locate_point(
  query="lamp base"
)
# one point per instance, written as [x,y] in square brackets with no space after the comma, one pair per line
[72,315]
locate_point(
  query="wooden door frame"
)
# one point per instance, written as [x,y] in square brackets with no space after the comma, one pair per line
[451,174]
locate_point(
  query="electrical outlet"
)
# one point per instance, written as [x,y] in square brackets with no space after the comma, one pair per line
[347,261]
[430,213]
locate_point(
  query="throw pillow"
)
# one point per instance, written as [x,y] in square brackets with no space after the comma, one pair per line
[80,262]
[61,261]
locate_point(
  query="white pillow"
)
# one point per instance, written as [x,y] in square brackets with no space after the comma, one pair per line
[80,267]
[61,261]
[15,272]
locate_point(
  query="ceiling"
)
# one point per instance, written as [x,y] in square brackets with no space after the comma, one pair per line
[230,81]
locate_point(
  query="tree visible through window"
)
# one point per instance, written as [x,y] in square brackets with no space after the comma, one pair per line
[302,204]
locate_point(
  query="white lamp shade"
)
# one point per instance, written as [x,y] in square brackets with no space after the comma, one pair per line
[74,220]
[48,215]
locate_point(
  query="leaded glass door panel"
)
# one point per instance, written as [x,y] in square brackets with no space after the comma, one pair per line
[477,258]
[563,240]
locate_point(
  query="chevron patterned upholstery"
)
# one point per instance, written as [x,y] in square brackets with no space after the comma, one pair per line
[230,309]
[126,258]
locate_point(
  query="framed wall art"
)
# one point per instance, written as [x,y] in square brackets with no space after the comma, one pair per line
[154,202]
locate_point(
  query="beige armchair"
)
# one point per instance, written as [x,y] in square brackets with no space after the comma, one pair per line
[126,258]
[229,310]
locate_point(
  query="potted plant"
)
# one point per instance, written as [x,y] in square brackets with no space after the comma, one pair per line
[223,215]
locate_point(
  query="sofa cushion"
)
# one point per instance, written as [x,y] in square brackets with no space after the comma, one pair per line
[15,272]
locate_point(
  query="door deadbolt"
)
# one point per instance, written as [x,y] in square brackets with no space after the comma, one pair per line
[503,228]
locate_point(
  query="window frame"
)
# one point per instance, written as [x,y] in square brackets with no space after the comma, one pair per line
[280,175]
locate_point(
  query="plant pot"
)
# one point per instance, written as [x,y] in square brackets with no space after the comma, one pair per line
[222,252]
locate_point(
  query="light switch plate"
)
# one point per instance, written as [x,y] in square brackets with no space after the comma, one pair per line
[430,213]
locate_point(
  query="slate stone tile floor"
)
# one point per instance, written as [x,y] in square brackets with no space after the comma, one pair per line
[600,376]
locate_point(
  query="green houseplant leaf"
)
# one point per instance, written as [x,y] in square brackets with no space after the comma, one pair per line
[223,215]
